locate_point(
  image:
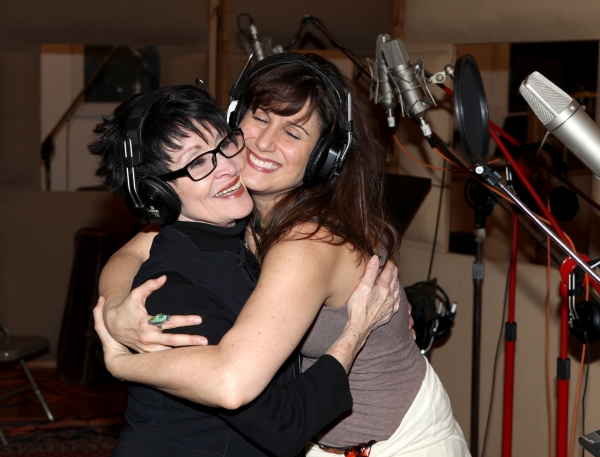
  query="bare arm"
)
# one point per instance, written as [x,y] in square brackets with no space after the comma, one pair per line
[297,277]
[125,315]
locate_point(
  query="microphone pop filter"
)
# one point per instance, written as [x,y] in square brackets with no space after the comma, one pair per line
[471,110]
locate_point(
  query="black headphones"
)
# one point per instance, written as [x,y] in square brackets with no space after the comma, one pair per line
[584,321]
[329,153]
[584,316]
[150,199]
[430,323]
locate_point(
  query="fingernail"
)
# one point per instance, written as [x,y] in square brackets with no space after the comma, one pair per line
[197,320]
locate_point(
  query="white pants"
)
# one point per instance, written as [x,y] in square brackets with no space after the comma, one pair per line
[427,430]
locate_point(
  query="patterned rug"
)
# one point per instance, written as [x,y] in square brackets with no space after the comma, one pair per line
[87,417]
[61,439]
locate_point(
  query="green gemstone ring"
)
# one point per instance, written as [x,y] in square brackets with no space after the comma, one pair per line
[159,319]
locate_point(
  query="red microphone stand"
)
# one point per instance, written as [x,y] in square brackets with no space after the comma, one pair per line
[510,338]
[510,326]
[567,290]
[559,237]
[494,179]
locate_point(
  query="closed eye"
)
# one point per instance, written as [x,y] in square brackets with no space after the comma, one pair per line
[259,119]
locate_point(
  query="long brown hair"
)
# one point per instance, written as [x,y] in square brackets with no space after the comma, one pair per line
[350,207]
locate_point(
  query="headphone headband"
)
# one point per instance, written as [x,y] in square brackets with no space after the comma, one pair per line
[150,199]
[133,128]
[281,59]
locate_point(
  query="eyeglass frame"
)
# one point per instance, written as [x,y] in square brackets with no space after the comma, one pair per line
[172,175]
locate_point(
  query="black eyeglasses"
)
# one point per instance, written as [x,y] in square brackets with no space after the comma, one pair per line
[205,163]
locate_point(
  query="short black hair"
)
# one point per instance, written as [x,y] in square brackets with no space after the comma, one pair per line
[177,112]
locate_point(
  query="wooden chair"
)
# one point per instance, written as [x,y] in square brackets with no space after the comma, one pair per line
[13,348]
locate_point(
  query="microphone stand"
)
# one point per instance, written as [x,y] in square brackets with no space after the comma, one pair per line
[482,201]
[510,338]
[558,236]
[494,179]
[563,362]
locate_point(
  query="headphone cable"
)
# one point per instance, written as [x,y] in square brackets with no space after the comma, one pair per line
[585,384]
[241,30]
[437,224]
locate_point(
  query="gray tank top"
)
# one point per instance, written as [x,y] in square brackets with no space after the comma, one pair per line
[384,379]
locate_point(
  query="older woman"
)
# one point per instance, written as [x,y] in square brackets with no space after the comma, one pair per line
[191,160]
[315,173]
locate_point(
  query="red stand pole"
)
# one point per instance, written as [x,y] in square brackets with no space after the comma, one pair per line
[563,365]
[510,336]
[563,361]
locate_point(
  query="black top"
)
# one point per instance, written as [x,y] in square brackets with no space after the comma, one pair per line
[210,273]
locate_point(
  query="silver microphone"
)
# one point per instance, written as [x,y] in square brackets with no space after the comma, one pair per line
[564,117]
[258,48]
[409,79]
[381,90]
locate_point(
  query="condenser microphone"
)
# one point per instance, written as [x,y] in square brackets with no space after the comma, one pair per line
[258,48]
[410,82]
[381,90]
[563,117]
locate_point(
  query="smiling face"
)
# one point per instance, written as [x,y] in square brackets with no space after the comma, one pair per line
[221,198]
[277,150]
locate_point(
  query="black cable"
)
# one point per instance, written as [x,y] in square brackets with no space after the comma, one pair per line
[296,37]
[487,422]
[587,374]
[319,24]
[242,31]
[362,70]
[437,224]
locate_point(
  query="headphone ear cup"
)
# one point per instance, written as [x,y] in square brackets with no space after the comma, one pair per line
[236,112]
[587,327]
[316,160]
[160,204]
[444,324]
[563,203]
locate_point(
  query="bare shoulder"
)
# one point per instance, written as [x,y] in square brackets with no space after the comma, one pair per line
[321,256]
[310,242]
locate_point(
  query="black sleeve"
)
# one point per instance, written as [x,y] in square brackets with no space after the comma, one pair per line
[286,415]
[179,296]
